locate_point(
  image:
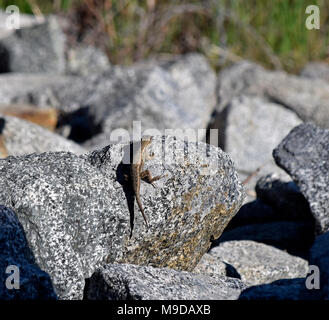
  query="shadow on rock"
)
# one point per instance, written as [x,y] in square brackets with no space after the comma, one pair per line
[123,177]
[285,289]
[20,277]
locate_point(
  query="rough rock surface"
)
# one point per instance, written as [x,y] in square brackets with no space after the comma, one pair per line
[258,263]
[14,251]
[83,61]
[308,98]
[213,266]
[22,88]
[176,95]
[77,212]
[316,70]
[319,256]
[35,49]
[253,127]
[304,154]
[23,137]
[131,282]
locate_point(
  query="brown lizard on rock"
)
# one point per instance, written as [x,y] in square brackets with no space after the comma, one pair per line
[136,173]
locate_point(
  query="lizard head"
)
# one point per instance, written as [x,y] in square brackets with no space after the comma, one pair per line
[146,140]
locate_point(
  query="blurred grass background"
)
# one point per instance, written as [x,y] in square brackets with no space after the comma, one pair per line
[272,33]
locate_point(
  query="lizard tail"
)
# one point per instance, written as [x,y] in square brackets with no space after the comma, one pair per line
[142,210]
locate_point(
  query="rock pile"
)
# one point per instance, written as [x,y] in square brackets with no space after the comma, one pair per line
[68,218]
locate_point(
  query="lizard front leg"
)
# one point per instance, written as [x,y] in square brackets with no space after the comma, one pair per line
[147,177]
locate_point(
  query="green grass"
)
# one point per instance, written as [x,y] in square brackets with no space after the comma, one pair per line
[272,33]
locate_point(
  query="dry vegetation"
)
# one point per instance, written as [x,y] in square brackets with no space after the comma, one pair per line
[272,33]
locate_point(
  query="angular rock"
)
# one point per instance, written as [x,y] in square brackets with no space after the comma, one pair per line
[304,154]
[16,256]
[308,98]
[253,128]
[319,257]
[83,61]
[210,265]
[35,49]
[295,237]
[179,95]
[258,263]
[316,70]
[22,137]
[242,78]
[131,282]
[78,213]
[23,88]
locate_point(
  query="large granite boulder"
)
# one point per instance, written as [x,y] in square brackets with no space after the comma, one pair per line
[257,263]
[308,98]
[251,128]
[304,154]
[78,212]
[131,282]
[23,137]
[180,94]
[38,48]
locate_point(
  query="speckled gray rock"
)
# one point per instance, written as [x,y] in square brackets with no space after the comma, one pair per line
[22,88]
[253,128]
[176,95]
[295,237]
[284,196]
[83,61]
[36,49]
[319,256]
[308,98]
[14,251]
[23,137]
[211,265]
[77,215]
[316,70]
[258,263]
[304,154]
[131,282]
[242,78]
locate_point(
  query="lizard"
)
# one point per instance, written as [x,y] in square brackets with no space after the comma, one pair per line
[136,170]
